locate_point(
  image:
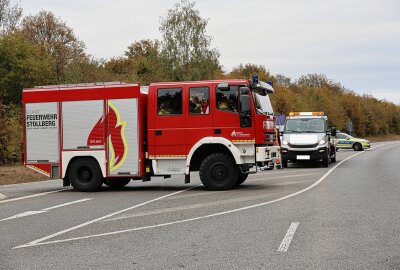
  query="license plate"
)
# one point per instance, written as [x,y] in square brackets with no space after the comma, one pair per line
[303,157]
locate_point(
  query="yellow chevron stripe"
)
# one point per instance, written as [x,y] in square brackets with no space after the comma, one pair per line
[38,169]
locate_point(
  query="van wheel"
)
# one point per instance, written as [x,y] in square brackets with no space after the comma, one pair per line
[357,147]
[218,172]
[333,157]
[117,182]
[284,163]
[85,175]
[241,178]
[325,162]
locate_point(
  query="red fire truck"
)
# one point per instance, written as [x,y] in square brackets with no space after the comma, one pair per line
[111,133]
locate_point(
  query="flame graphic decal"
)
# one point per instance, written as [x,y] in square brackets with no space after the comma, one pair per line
[118,147]
[96,135]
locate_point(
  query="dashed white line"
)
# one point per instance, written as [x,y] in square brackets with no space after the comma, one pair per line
[288,237]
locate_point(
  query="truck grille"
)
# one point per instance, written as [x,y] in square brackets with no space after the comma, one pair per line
[269,138]
[303,145]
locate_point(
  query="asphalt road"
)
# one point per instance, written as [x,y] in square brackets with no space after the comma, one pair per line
[346,216]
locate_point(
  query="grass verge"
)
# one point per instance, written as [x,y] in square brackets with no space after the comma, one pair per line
[14,174]
[389,137]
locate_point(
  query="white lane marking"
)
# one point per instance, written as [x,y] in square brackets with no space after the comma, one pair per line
[34,195]
[279,177]
[25,214]
[2,197]
[288,237]
[283,171]
[249,180]
[38,241]
[187,207]
[30,213]
[198,194]
[66,204]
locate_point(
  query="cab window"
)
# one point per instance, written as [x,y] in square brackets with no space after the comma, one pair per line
[199,100]
[228,100]
[169,101]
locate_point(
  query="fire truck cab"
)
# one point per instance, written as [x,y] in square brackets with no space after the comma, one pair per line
[90,134]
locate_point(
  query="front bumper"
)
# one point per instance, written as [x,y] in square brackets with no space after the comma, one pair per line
[366,145]
[301,154]
[264,154]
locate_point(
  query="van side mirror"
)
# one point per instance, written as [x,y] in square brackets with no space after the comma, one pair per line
[333,131]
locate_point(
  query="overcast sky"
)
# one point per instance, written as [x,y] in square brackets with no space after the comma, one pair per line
[354,42]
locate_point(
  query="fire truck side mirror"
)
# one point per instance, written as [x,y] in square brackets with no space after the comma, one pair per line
[244,100]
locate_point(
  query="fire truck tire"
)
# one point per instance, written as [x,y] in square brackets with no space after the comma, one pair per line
[85,175]
[218,172]
[241,178]
[117,182]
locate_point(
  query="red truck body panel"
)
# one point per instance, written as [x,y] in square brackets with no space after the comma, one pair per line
[90,92]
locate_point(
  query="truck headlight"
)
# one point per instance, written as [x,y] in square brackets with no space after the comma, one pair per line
[321,142]
[285,142]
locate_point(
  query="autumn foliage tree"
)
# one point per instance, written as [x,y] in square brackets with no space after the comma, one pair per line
[56,38]
[21,65]
[186,47]
[147,60]
[10,17]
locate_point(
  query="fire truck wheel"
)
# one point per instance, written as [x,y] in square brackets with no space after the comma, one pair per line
[241,178]
[85,175]
[218,172]
[117,182]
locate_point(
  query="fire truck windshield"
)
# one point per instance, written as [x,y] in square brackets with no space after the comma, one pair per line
[262,102]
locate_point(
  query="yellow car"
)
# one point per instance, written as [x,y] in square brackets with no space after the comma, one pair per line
[346,141]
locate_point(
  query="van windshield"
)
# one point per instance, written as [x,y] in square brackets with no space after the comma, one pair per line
[304,125]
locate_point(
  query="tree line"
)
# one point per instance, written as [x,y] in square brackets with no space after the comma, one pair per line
[41,49]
